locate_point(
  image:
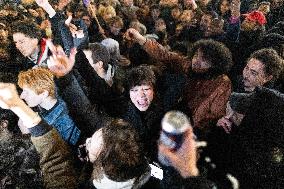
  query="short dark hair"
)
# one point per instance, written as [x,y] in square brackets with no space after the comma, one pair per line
[122,155]
[216,53]
[140,75]
[28,28]
[273,63]
[100,53]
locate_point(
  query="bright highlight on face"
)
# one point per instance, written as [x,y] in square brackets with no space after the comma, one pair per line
[31,97]
[142,96]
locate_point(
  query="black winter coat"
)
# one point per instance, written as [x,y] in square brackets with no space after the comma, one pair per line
[148,126]
[258,144]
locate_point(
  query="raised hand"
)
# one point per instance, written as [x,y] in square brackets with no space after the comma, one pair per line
[133,34]
[42,3]
[8,96]
[9,99]
[59,63]
[46,7]
[225,123]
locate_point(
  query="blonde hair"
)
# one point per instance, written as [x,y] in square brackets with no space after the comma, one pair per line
[38,79]
[106,10]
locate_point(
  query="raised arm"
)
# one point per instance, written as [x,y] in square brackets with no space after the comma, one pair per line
[176,61]
[60,31]
[45,5]
[55,161]
[71,92]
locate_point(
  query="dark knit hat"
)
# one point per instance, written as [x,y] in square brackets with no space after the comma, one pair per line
[99,53]
[240,102]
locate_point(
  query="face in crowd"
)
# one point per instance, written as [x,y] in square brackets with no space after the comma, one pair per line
[205,22]
[142,96]
[186,16]
[115,28]
[254,75]
[32,98]
[4,33]
[175,13]
[265,8]
[87,20]
[160,25]
[199,63]
[224,6]
[25,44]
[128,3]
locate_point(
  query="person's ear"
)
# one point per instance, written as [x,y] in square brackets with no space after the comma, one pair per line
[45,94]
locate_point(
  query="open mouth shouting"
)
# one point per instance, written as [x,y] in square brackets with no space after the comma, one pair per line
[142,96]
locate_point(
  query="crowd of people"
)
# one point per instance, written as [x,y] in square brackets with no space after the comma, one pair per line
[88,87]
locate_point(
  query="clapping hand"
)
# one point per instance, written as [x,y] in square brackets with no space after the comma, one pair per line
[133,35]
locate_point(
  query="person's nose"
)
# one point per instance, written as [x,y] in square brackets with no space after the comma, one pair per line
[141,93]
